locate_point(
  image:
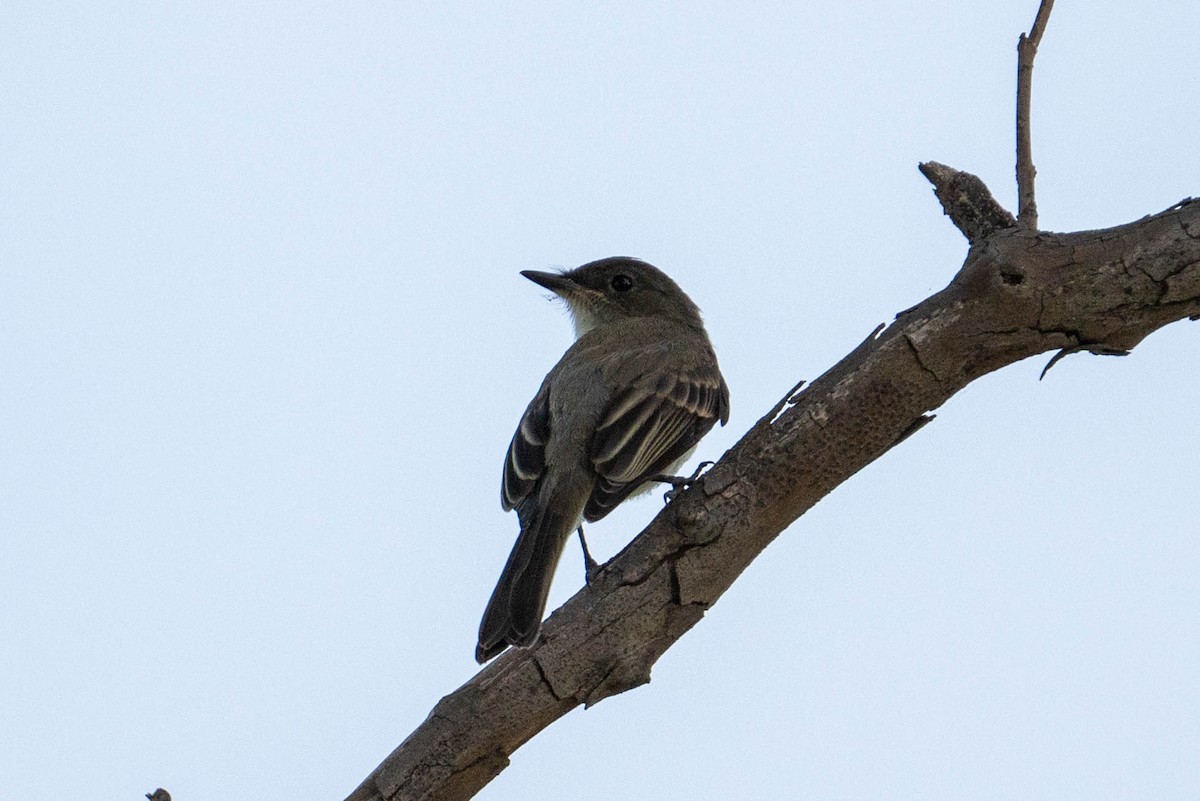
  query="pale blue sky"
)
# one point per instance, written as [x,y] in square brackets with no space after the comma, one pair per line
[264,342]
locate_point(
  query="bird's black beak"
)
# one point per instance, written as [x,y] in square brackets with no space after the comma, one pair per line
[556,282]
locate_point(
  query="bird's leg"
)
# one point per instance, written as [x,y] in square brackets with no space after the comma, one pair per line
[590,566]
[679,483]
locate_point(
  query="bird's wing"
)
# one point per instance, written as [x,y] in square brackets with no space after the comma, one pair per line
[526,458]
[650,425]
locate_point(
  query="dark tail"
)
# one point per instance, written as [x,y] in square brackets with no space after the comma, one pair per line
[514,614]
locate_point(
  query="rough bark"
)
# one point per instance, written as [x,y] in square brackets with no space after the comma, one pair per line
[1019,293]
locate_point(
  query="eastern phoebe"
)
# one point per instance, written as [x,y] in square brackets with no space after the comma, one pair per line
[627,402]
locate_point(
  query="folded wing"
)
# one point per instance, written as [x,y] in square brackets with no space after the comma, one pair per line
[650,426]
[526,460]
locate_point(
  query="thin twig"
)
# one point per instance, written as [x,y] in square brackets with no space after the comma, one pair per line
[1026,49]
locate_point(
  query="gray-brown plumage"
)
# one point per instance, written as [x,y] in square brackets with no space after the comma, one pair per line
[628,401]
[159,795]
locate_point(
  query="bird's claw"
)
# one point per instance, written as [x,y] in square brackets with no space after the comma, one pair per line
[680,484]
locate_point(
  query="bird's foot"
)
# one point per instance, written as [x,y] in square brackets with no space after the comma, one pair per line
[679,483]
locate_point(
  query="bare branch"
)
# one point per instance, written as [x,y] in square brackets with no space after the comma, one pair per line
[1026,50]
[1019,293]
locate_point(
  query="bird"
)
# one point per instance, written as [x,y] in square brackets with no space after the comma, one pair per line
[626,404]
[159,795]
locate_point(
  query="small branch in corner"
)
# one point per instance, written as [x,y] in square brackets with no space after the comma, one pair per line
[1027,47]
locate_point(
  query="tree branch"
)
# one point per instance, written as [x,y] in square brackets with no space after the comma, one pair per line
[1019,293]
[1026,50]
[967,201]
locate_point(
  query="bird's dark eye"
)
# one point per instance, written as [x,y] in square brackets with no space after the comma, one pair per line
[621,282]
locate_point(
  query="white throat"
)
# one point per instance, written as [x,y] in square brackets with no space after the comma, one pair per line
[582,318]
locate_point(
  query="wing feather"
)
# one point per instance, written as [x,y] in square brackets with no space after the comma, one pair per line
[526,460]
[648,427]
[617,430]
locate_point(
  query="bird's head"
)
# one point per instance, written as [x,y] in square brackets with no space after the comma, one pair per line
[618,288]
